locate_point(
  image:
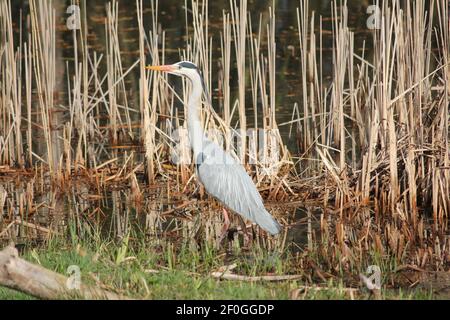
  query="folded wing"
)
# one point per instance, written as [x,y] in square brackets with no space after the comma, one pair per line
[226,180]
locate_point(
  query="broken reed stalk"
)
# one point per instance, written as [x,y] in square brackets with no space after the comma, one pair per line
[144,92]
[225,50]
[239,23]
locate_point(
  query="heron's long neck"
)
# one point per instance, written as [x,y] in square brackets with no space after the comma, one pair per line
[194,125]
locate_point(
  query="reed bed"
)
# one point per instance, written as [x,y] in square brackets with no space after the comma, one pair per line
[381,133]
[374,164]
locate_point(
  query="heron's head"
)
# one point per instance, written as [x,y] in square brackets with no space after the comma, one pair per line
[186,69]
[182,68]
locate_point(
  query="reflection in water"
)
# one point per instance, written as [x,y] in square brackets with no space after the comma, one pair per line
[116,212]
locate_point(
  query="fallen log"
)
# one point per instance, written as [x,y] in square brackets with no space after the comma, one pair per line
[225,273]
[236,277]
[21,275]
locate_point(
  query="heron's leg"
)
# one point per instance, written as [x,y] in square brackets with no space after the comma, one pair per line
[247,234]
[248,238]
[226,226]
[227,219]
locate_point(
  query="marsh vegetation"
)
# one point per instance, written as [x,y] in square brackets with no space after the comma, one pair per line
[355,163]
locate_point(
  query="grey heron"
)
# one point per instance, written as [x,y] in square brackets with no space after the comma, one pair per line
[221,175]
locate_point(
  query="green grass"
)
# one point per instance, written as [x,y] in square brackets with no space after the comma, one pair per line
[126,270]
[183,270]
[7,294]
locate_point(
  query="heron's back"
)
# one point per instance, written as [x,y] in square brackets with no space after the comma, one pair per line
[227,181]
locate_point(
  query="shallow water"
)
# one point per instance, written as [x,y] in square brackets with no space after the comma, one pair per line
[40,209]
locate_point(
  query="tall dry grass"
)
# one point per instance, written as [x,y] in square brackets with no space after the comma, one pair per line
[383,141]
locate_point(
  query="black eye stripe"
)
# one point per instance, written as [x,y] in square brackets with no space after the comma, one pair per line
[187,65]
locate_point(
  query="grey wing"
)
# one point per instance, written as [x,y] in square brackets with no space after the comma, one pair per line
[227,180]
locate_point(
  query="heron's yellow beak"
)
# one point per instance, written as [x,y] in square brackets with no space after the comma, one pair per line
[166,68]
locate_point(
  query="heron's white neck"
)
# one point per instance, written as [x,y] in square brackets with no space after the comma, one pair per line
[195,130]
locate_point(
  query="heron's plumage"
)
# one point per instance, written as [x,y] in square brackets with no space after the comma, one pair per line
[227,181]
